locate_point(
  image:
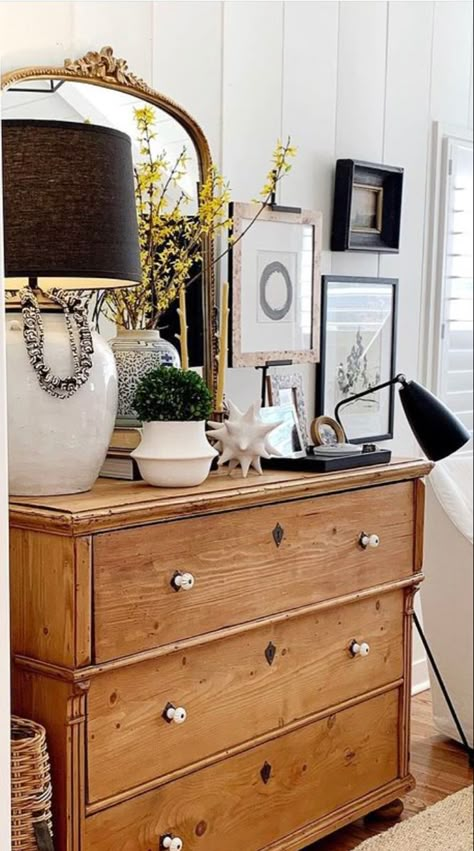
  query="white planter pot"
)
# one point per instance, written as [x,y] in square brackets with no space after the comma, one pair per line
[174,454]
[57,446]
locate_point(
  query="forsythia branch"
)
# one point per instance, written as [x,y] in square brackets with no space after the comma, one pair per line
[171,240]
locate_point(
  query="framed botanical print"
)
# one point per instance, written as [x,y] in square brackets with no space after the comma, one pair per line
[358,351]
[275,286]
[289,390]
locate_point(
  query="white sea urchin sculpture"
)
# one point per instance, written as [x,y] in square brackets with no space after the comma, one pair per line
[243,439]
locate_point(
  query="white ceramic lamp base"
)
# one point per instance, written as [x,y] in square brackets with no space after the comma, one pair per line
[57,446]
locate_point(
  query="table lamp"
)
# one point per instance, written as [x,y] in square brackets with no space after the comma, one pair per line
[70,225]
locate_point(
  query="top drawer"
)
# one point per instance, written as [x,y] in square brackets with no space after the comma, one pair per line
[246,565]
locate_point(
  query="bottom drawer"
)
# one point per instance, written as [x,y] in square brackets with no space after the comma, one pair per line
[251,800]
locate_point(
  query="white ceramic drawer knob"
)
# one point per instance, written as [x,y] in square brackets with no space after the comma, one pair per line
[360,649]
[369,541]
[175,714]
[183,581]
[172,843]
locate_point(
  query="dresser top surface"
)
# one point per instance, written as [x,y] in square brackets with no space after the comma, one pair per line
[113,504]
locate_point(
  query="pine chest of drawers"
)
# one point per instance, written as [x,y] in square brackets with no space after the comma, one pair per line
[221,669]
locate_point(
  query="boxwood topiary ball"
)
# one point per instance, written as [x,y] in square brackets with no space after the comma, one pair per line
[168,394]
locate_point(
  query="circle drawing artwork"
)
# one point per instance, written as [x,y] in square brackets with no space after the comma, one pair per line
[276,291]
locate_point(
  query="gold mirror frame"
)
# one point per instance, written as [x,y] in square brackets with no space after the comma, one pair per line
[102,68]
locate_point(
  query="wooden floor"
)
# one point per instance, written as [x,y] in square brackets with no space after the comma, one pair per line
[439,765]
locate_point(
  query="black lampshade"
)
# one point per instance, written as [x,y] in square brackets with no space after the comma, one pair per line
[70,216]
[438,431]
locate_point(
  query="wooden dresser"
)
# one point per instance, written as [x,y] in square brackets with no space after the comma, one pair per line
[221,669]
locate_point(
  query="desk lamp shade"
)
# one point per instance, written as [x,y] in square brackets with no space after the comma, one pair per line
[438,431]
[70,217]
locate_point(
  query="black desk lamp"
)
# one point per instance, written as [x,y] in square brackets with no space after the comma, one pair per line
[439,433]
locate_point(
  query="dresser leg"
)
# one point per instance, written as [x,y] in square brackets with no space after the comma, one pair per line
[390,812]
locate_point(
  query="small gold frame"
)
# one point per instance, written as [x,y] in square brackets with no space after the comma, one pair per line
[317,435]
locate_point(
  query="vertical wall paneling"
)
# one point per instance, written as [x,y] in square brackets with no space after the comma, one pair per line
[309,104]
[252,92]
[406,140]
[310,59]
[360,101]
[35,33]
[187,61]
[126,26]
[452,51]
[361,82]
[252,118]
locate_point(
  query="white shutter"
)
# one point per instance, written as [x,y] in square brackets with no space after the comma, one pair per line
[455,376]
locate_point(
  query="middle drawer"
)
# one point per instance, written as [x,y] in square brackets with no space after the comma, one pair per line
[236,689]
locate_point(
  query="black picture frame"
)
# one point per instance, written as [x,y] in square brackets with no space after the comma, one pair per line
[321,371]
[385,185]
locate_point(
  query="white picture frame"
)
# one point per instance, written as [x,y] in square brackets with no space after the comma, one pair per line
[287,438]
[275,285]
[288,389]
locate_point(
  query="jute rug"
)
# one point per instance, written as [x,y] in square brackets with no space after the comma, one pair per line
[447,826]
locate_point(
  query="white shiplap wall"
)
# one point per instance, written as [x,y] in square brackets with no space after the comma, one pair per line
[346,79]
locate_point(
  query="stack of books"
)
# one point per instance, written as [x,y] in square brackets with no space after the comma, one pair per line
[119,464]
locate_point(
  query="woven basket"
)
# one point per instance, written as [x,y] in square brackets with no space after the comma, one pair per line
[31,784]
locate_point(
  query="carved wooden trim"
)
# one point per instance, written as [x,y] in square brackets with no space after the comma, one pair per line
[76,769]
[405,694]
[411,593]
[103,68]
[83,602]
[420,496]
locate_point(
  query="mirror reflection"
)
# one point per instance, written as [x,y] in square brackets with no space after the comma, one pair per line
[167,175]
[64,100]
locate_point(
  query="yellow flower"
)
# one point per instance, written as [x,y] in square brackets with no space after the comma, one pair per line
[281,159]
[171,240]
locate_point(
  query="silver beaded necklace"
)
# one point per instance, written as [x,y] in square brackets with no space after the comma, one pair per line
[75,315]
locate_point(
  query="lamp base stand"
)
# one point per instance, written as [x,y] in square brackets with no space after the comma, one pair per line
[56,446]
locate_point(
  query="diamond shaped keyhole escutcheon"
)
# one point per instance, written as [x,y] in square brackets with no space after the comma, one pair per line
[266,772]
[270,653]
[278,535]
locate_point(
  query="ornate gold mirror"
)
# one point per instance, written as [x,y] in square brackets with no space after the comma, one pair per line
[99,89]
